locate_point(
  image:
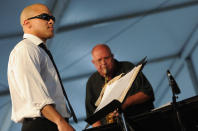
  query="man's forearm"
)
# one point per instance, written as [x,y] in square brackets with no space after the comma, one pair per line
[137,98]
[49,112]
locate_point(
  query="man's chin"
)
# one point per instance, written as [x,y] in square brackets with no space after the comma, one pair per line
[50,36]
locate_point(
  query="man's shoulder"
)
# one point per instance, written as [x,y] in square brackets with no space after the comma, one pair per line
[24,46]
[17,47]
[25,43]
[94,75]
[126,64]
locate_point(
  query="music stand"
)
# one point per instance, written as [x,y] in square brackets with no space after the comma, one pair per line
[115,104]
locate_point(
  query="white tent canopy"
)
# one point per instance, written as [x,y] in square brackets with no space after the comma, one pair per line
[163,30]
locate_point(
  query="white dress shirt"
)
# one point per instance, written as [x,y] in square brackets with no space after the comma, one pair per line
[33,81]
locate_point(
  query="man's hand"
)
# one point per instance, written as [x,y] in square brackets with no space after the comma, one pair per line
[64,126]
[114,113]
[112,117]
[96,124]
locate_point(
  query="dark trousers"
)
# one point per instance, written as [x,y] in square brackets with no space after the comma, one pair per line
[39,124]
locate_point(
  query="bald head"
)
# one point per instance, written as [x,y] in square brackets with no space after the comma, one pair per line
[31,11]
[101,47]
[34,20]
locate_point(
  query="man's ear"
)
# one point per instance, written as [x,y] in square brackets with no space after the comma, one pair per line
[93,61]
[27,23]
[112,55]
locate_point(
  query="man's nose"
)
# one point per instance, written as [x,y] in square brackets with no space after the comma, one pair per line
[103,61]
[51,21]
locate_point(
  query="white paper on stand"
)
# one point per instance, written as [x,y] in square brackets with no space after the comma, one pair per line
[119,88]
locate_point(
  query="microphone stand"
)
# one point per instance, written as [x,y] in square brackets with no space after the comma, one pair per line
[175,90]
[175,110]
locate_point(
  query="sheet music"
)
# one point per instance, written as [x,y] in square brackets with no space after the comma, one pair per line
[119,88]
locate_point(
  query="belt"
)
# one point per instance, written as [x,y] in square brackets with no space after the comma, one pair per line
[40,118]
[35,118]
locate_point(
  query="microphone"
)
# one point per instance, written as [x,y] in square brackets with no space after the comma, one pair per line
[173,83]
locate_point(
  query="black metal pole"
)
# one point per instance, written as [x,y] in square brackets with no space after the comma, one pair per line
[175,90]
[176,112]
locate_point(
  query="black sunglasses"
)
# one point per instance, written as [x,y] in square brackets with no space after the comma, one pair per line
[43,16]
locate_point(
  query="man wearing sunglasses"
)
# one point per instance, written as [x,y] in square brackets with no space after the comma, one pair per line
[35,88]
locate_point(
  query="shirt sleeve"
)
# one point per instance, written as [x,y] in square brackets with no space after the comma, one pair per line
[28,91]
[141,84]
[89,107]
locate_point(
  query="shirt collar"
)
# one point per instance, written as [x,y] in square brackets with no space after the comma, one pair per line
[36,40]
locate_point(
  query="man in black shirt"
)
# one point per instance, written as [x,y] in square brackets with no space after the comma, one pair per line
[139,98]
